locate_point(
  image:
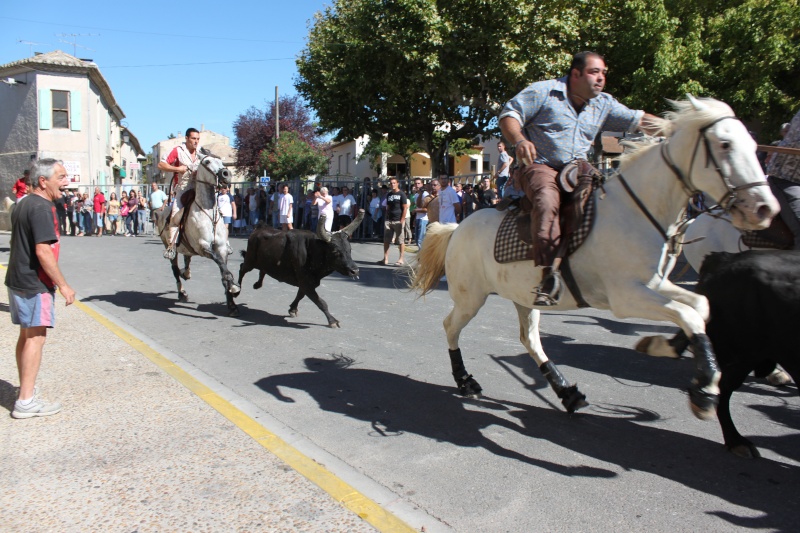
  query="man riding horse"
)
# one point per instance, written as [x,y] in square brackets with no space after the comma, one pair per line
[553,123]
[182,161]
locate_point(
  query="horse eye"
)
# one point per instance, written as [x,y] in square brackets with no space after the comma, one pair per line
[725,145]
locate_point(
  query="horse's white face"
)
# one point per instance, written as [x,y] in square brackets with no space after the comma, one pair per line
[210,169]
[734,151]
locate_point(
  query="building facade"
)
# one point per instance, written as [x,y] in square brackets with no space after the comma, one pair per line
[56,105]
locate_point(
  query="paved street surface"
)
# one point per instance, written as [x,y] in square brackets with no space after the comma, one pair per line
[374,402]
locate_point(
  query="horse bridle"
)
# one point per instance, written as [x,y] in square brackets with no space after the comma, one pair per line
[219,175]
[727,201]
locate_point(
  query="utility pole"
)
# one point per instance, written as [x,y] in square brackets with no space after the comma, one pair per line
[277,116]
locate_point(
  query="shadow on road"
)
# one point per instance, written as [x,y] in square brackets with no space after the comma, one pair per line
[619,435]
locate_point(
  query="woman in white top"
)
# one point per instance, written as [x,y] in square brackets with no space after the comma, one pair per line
[323,201]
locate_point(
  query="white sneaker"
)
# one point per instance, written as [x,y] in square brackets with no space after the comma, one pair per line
[37,407]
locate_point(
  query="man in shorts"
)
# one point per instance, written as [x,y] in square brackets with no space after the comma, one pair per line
[32,278]
[396,207]
[286,207]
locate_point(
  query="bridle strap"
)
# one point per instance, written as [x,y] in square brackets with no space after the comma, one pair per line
[642,207]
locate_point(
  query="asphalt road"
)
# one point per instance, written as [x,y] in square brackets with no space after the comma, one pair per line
[376,398]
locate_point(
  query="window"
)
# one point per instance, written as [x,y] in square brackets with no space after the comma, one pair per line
[60,109]
[347,163]
[473,166]
[395,169]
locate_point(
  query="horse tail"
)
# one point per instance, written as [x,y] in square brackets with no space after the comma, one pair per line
[428,267]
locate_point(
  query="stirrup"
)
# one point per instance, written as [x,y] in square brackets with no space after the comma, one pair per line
[549,297]
[169,253]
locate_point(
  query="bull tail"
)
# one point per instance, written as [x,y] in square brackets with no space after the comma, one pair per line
[428,267]
[243,252]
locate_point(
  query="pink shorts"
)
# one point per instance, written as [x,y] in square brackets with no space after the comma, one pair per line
[30,310]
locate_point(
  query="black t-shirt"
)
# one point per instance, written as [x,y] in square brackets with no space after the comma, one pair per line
[485,198]
[394,205]
[33,221]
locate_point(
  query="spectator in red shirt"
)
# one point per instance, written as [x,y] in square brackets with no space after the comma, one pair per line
[21,186]
[99,210]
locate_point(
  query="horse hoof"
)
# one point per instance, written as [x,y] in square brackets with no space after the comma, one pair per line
[745,450]
[703,404]
[333,325]
[779,378]
[183,297]
[573,399]
[233,313]
[656,346]
[293,313]
[186,275]
[469,387]
[234,289]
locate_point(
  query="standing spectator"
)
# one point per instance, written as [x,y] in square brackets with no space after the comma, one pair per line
[420,212]
[227,208]
[324,204]
[433,205]
[88,229]
[512,188]
[32,278]
[286,208]
[112,214]
[308,209]
[375,215]
[238,223]
[77,214]
[449,202]
[132,218]
[21,186]
[468,201]
[784,179]
[157,200]
[70,205]
[123,213]
[486,195]
[407,235]
[276,208]
[263,203]
[503,167]
[347,208]
[336,198]
[766,158]
[99,208]
[396,208]
[61,210]
[252,206]
[142,213]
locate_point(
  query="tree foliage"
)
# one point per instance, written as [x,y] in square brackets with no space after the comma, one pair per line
[291,157]
[254,130]
[427,72]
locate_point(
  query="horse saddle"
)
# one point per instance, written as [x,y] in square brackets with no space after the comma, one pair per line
[777,236]
[578,181]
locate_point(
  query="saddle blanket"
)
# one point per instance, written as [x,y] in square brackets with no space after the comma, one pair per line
[508,247]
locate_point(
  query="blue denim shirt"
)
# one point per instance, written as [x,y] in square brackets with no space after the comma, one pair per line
[560,133]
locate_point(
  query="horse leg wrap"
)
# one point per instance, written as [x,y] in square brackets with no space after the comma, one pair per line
[467,386]
[571,398]
[704,391]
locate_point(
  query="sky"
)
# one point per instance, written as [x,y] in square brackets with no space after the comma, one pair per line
[171,65]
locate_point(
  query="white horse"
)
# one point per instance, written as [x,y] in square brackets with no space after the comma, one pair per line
[620,265]
[205,232]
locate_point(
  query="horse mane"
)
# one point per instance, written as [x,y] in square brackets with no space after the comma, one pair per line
[684,114]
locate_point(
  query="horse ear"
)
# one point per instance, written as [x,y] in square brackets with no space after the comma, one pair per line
[697,104]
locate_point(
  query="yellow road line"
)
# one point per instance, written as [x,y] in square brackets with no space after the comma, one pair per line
[346,495]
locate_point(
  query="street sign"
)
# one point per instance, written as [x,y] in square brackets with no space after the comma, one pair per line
[264,181]
[134,166]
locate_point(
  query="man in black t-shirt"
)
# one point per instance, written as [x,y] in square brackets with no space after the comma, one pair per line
[396,204]
[486,195]
[32,278]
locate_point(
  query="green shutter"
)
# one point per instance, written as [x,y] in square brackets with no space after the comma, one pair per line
[45,109]
[75,110]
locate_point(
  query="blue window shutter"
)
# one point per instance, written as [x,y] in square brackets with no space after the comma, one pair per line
[45,109]
[75,110]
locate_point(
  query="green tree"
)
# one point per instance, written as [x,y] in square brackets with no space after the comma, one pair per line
[291,157]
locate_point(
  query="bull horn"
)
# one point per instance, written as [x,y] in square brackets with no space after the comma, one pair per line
[353,226]
[322,233]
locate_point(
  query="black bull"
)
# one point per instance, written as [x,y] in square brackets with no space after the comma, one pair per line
[301,258]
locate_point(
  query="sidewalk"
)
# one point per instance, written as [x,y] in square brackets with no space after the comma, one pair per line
[135,450]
